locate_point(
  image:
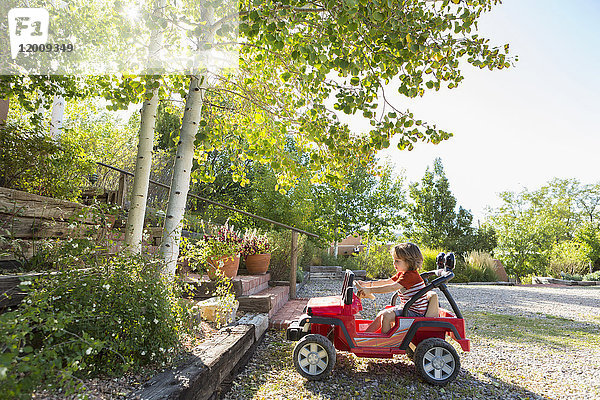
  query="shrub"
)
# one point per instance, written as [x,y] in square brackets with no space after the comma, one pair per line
[429,256]
[378,262]
[281,243]
[35,163]
[478,267]
[571,277]
[594,276]
[105,320]
[310,254]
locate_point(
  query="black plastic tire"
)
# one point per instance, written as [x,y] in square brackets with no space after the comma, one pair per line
[437,361]
[314,357]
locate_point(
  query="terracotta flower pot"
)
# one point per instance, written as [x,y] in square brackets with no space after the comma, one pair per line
[258,263]
[230,266]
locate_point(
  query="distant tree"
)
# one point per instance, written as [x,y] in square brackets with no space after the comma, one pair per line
[433,219]
[532,226]
[386,208]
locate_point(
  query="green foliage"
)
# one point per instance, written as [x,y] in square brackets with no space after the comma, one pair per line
[429,256]
[90,241]
[483,262]
[433,220]
[110,318]
[281,247]
[594,276]
[225,296]
[570,257]
[571,277]
[33,162]
[310,253]
[465,272]
[548,229]
[346,262]
[364,198]
[225,242]
[378,263]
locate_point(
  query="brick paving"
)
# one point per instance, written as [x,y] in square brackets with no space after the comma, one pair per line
[291,311]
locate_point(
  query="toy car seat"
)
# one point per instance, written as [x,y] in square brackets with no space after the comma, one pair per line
[433,305]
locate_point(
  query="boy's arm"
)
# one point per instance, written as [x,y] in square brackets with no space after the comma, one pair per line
[390,287]
[372,284]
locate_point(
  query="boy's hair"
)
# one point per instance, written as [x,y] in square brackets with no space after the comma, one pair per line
[410,253]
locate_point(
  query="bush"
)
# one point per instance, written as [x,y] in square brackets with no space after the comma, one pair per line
[594,276]
[105,320]
[281,243]
[478,267]
[429,256]
[310,254]
[378,263]
[35,163]
[571,277]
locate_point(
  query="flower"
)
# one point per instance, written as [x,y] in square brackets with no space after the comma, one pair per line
[253,243]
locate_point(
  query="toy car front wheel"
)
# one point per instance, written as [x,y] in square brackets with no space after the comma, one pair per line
[314,356]
[437,361]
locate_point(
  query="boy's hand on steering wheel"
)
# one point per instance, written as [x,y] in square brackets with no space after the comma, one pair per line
[365,294]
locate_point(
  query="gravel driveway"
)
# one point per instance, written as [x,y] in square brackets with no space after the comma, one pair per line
[533,342]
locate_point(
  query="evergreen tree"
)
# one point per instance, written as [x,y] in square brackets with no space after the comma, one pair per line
[433,221]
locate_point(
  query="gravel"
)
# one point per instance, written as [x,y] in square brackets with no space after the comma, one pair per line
[533,342]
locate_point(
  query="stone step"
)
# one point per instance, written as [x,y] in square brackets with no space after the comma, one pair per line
[243,285]
[291,311]
[268,301]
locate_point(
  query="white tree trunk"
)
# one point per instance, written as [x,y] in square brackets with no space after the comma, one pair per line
[335,242]
[143,163]
[180,183]
[58,112]
[4,106]
[141,179]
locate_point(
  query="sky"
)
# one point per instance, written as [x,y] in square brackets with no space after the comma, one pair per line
[520,127]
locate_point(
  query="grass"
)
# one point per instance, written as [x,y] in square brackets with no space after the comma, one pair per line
[547,330]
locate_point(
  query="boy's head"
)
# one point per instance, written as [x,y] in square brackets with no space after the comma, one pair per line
[410,253]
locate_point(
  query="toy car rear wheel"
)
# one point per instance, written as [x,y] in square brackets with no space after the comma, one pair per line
[437,361]
[314,357]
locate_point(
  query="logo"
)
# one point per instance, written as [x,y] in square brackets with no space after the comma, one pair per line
[27,27]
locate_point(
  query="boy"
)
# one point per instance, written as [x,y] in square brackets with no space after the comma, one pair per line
[407,281]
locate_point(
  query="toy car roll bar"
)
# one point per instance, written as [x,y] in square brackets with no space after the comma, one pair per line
[440,283]
[348,287]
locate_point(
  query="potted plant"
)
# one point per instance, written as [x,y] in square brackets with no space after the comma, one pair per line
[220,252]
[257,252]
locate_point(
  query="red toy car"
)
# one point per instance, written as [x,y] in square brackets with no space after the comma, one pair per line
[329,323]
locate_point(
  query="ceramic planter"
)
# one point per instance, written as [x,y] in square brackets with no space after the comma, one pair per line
[230,266]
[258,263]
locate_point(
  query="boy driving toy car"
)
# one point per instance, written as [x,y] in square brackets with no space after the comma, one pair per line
[407,281]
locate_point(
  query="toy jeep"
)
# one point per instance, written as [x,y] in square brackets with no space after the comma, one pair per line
[329,323]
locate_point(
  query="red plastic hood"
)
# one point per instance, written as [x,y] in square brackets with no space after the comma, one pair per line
[330,305]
